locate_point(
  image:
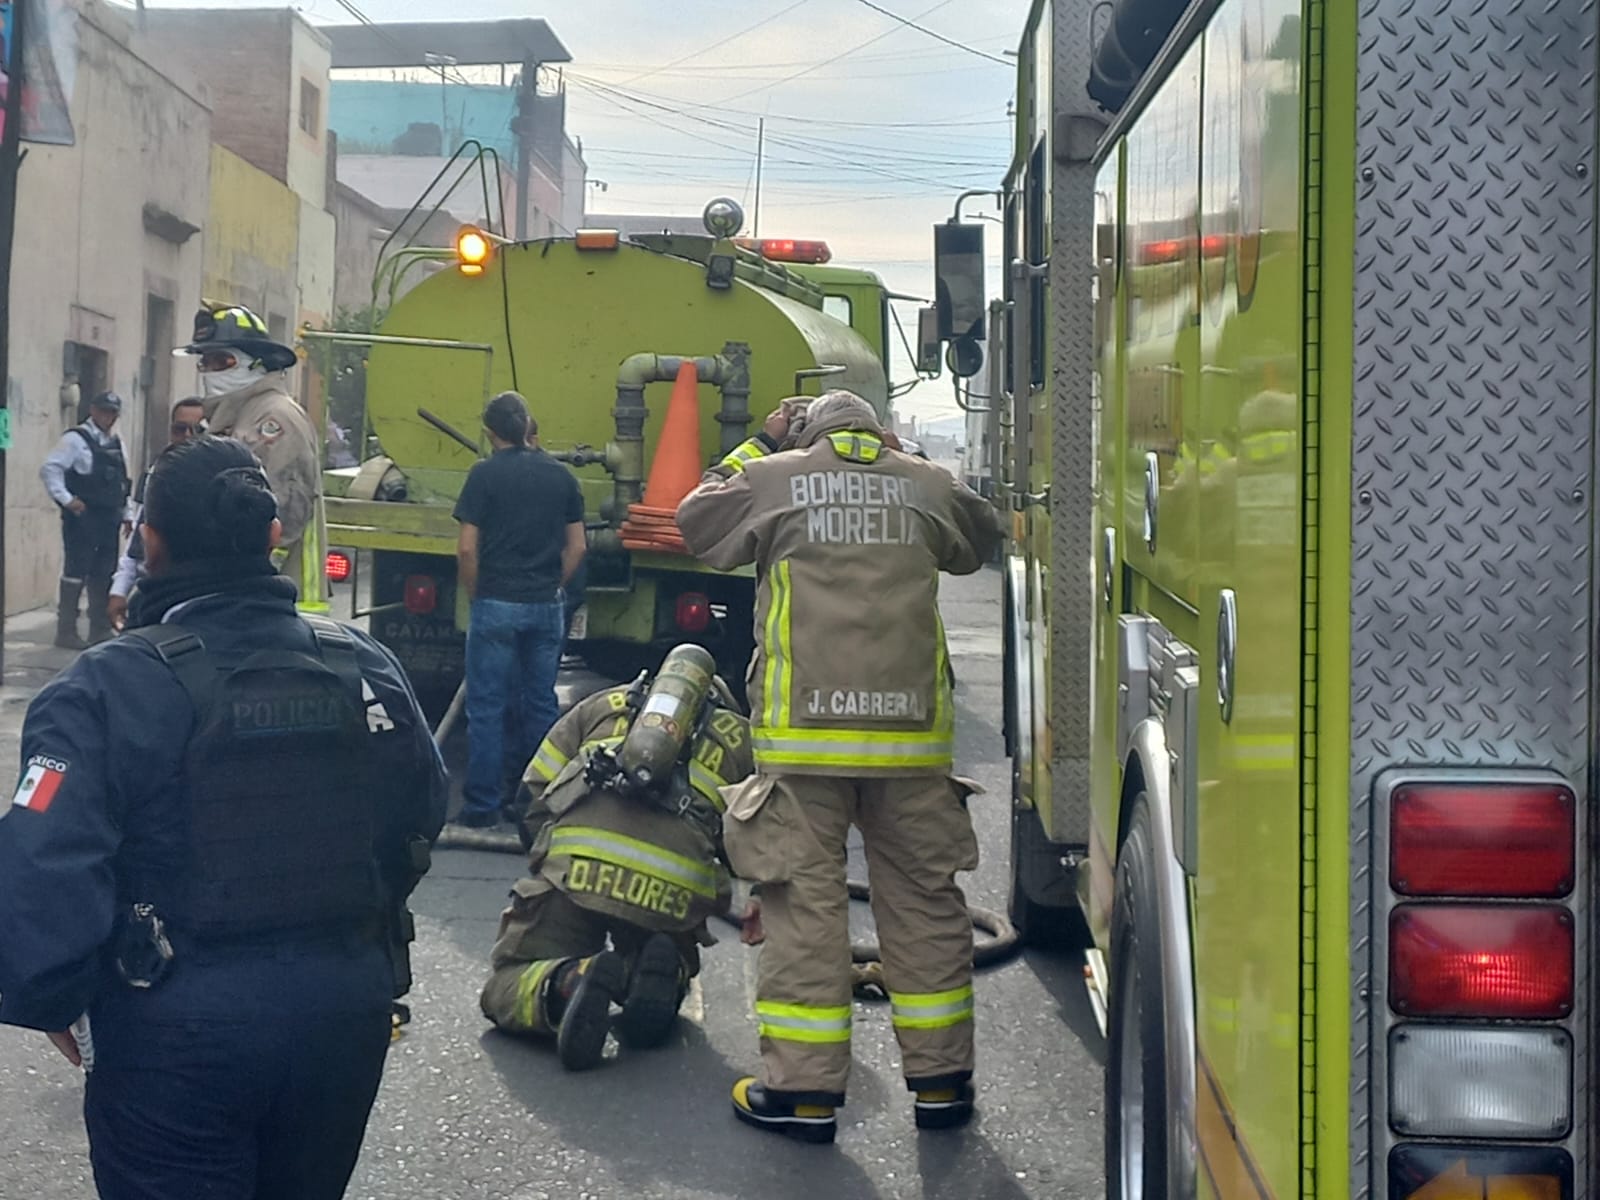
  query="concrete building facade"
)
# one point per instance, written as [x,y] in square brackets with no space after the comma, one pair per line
[106,271]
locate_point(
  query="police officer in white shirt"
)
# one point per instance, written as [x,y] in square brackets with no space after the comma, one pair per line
[87,476]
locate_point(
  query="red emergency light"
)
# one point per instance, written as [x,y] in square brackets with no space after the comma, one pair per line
[1511,840]
[1481,960]
[788,249]
[338,566]
[693,613]
[421,595]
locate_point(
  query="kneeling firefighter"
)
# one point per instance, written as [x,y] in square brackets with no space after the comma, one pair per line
[204,869]
[626,815]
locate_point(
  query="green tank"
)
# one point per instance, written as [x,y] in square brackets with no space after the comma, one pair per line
[591,330]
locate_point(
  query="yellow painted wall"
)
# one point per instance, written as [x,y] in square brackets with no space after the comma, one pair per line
[252,240]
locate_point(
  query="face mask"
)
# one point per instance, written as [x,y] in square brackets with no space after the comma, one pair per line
[219,383]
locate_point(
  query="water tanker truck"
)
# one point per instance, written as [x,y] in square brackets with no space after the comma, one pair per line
[593,331]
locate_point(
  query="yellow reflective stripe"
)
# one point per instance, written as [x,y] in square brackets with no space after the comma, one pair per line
[906,741]
[775,650]
[313,565]
[707,783]
[548,762]
[804,1023]
[744,453]
[601,743]
[619,850]
[931,1010]
[855,446]
[527,1009]
[848,758]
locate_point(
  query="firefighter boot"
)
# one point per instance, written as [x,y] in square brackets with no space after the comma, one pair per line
[655,989]
[579,1006]
[67,615]
[757,1107]
[944,1108]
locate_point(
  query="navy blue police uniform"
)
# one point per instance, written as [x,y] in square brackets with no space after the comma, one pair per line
[243,1065]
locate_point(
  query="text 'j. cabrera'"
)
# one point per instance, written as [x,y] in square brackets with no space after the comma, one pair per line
[858,508]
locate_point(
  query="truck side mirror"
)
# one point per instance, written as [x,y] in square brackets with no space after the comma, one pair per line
[958,280]
[928,341]
[965,357]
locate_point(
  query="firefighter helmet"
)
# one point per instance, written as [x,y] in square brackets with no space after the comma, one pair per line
[235,327]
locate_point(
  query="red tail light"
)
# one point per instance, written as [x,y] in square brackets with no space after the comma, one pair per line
[338,566]
[1480,960]
[421,595]
[694,613]
[1482,840]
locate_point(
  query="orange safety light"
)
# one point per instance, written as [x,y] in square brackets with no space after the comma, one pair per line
[597,239]
[473,250]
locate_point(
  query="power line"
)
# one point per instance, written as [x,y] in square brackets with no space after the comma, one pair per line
[732,37]
[938,37]
[828,61]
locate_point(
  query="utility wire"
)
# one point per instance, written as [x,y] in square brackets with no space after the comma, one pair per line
[817,66]
[938,37]
[732,37]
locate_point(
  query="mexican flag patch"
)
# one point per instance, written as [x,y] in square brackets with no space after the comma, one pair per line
[40,782]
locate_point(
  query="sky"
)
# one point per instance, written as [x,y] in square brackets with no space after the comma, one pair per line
[872,128]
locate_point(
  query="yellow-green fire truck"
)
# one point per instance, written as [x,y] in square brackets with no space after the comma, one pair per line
[1294,386]
[591,329]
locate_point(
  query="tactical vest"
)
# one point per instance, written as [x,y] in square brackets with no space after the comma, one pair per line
[105,487]
[280,821]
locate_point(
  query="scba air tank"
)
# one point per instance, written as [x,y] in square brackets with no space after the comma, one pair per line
[668,716]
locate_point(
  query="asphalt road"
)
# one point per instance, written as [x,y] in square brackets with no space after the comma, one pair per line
[467,1113]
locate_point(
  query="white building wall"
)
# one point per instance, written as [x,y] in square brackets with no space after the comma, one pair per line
[86,269]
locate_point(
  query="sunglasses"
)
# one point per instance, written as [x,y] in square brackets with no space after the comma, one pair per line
[186,429]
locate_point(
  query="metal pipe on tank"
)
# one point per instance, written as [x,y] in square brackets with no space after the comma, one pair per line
[638,370]
[735,413]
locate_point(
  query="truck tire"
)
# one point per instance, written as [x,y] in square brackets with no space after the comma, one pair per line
[1137,1111]
[1042,906]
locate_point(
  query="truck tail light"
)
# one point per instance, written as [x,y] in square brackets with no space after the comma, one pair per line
[1511,840]
[693,613]
[1436,1172]
[1481,960]
[421,595]
[337,567]
[1478,1081]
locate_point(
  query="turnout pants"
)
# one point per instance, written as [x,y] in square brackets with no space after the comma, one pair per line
[788,833]
[542,929]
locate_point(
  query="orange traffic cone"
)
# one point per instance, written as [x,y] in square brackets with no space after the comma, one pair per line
[674,471]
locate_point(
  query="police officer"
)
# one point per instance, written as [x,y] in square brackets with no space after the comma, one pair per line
[188,421]
[204,868]
[626,808]
[853,724]
[245,385]
[87,476]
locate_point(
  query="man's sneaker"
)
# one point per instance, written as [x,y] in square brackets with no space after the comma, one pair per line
[809,1122]
[655,989]
[589,986]
[946,1108]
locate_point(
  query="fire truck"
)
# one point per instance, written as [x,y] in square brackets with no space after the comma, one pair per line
[1293,393]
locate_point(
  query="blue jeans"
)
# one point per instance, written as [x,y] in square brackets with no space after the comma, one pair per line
[513,654]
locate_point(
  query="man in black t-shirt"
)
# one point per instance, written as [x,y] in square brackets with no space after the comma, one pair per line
[521,517]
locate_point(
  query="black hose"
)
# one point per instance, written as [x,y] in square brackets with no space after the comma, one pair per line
[999,945]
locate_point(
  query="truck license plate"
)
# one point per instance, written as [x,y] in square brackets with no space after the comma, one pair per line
[580,624]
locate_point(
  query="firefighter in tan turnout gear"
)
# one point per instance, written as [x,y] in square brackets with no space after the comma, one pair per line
[244,383]
[626,820]
[852,724]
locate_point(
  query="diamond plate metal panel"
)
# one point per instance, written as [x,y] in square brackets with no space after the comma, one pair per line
[1472,550]
[1073,447]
